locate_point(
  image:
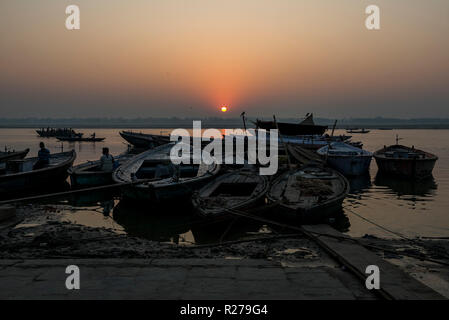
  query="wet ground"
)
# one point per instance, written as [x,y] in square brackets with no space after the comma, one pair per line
[45,232]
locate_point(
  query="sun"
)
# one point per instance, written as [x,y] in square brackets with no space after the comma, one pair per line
[224,109]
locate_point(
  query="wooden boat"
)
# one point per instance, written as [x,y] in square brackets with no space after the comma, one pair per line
[142,140]
[405,162]
[310,194]
[238,190]
[58,132]
[305,127]
[357,131]
[161,179]
[89,174]
[20,175]
[346,159]
[13,155]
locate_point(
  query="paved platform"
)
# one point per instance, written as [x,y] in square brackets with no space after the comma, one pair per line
[177,279]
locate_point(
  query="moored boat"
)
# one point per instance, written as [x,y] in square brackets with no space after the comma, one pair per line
[13,155]
[142,140]
[406,162]
[161,179]
[20,175]
[305,127]
[310,194]
[237,190]
[89,174]
[346,159]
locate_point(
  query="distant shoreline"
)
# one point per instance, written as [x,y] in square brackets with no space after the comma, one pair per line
[417,127]
[231,123]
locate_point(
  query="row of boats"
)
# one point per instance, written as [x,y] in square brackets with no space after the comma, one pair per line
[311,186]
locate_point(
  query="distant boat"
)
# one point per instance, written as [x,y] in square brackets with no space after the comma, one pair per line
[20,175]
[142,140]
[357,131]
[58,132]
[405,162]
[238,190]
[310,194]
[346,159]
[161,179]
[89,174]
[305,127]
[81,139]
[13,155]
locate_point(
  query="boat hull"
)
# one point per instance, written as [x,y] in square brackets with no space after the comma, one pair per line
[143,140]
[406,168]
[350,165]
[318,214]
[36,179]
[158,194]
[13,155]
[91,180]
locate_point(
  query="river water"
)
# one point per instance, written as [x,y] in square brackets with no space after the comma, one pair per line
[410,209]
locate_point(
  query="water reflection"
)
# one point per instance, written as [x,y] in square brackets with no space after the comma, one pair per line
[401,187]
[98,197]
[43,189]
[359,184]
[228,230]
[166,224]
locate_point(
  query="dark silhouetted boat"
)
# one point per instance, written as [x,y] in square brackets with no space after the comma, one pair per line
[305,127]
[13,155]
[405,162]
[356,130]
[311,194]
[20,175]
[161,179]
[238,190]
[142,140]
[89,174]
[92,138]
[58,132]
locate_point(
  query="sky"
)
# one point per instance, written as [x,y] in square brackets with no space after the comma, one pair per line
[187,58]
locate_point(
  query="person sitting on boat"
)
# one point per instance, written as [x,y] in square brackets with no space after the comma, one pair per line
[43,157]
[107,161]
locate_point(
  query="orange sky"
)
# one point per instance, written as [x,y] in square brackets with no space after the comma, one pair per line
[187,58]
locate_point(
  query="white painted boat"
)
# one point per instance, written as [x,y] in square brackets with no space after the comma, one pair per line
[347,159]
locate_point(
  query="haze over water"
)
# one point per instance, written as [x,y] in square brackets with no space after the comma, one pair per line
[187,58]
[412,209]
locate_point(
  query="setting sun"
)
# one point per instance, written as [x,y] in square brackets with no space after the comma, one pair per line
[224,109]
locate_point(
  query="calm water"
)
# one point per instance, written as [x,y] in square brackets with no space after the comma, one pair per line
[412,209]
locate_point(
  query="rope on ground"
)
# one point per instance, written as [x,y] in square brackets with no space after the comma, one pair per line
[307,233]
[416,241]
[378,225]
